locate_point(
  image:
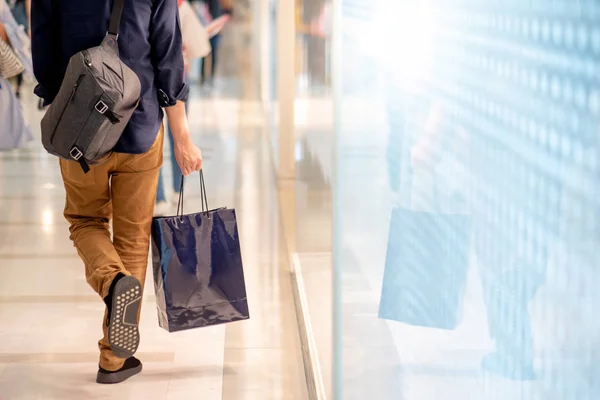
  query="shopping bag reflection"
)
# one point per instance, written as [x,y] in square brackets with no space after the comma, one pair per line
[426,267]
[197,265]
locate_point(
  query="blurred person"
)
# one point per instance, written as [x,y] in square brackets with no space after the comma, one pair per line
[21,10]
[212,10]
[3,31]
[122,188]
[14,16]
[318,16]
[15,132]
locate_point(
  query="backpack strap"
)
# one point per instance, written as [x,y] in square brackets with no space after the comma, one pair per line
[115,17]
[80,145]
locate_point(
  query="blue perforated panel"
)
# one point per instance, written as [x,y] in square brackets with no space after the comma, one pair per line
[468,192]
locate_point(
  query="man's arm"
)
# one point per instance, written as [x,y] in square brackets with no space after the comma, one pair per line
[187,154]
[167,53]
[167,57]
[45,48]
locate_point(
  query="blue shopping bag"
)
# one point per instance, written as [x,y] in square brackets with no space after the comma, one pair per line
[426,267]
[197,265]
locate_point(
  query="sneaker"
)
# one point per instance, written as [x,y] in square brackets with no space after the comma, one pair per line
[132,367]
[162,208]
[123,301]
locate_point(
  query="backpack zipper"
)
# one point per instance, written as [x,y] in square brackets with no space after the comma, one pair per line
[62,114]
[75,86]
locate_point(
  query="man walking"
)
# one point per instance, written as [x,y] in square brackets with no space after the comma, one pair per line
[121,188]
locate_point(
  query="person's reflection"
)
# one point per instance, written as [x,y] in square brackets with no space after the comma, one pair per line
[315,12]
[310,170]
[513,227]
[510,255]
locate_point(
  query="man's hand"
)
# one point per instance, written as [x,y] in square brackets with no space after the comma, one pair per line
[188,156]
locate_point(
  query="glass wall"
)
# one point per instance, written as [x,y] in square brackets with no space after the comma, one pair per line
[314,137]
[466,200]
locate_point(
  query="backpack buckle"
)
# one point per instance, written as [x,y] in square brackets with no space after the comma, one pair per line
[75,153]
[101,107]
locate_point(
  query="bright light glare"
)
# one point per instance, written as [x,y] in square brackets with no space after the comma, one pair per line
[405,38]
[47,220]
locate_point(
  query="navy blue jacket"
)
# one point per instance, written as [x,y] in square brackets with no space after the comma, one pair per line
[149,43]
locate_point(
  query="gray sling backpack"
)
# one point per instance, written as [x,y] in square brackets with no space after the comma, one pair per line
[98,96]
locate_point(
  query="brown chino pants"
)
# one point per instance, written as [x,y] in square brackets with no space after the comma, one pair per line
[121,188]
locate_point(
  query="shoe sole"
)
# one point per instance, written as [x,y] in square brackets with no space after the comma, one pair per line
[117,377]
[123,332]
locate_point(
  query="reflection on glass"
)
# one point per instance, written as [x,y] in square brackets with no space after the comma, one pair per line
[47,220]
[478,247]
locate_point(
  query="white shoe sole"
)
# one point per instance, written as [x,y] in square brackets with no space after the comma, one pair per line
[123,332]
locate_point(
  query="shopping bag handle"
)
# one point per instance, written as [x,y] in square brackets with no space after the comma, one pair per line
[203,196]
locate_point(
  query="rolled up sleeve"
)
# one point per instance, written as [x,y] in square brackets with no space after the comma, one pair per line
[167,53]
[45,49]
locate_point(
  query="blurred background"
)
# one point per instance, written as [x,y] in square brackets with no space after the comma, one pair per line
[416,183]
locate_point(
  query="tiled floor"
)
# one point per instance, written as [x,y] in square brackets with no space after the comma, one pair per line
[50,319]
